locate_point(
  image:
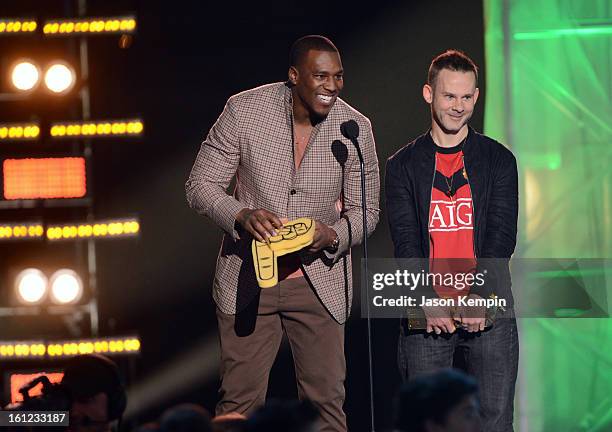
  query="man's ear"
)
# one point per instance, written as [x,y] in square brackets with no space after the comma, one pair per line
[293,75]
[428,93]
[476,93]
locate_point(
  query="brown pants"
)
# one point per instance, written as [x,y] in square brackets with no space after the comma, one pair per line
[250,341]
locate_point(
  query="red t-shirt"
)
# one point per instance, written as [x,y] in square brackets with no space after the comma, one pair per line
[451,221]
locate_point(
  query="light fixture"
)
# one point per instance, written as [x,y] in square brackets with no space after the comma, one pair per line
[19,131]
[110,346]
[592,30]
[44,178]
[19,379]
[60,77]
[66,287]
[25,75]
[22,349]
[97,128]
[71,27]
[20,231]
[100,229]
[17,25]
[31,286]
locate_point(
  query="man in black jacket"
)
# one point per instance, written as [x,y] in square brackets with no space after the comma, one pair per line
[453,193]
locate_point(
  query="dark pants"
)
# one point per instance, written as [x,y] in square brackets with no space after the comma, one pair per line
[491,357]
[250,341]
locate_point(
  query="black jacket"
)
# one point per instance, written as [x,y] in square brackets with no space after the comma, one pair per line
[492,175]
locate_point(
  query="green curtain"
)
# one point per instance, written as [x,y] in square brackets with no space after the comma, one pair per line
[548,98]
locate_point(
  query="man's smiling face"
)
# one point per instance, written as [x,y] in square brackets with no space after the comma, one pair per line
[318,80]
[452,98]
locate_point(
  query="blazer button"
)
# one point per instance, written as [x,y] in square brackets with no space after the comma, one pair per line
[293,192]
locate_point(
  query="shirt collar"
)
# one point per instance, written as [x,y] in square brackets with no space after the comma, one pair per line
[449,150]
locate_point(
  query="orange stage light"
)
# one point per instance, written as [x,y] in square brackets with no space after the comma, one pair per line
[44,178]
[18,380]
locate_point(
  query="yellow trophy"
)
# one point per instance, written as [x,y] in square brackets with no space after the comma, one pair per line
[292,237]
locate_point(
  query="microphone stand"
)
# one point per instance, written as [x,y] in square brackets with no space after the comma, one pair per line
[365,269]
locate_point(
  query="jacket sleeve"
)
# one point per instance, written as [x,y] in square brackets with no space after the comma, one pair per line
[501,229]
[213,170]
[350,226]
[401,211]
[502,212]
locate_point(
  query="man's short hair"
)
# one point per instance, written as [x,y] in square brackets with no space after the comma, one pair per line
[454,60]
[432,397]
[300,47]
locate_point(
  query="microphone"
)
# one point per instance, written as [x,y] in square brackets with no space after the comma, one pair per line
[350,130]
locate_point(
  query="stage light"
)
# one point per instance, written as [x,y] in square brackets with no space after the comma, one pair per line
[66,287]
[19,231]
[60,77]
[19,131]
[109,346]
[124,24]
[17,25]
[31,286]
[22,349]
[44,178]
[105,229]
[25,75]
[18,380]
[594,30]
[97,128]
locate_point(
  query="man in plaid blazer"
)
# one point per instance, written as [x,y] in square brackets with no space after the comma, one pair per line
[283,143]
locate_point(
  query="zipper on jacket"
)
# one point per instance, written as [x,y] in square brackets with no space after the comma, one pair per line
[433,180]
[473,206]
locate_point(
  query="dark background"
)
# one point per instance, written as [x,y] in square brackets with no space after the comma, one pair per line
[187,58]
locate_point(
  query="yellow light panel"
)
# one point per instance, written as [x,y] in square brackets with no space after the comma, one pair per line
[108,346]
[15,350]
[124,24]
[17,25]
[22,349]
[20,231]
[101,229]
[19,131]
[97,128]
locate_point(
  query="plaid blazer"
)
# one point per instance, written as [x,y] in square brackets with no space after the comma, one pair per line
[253,140]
